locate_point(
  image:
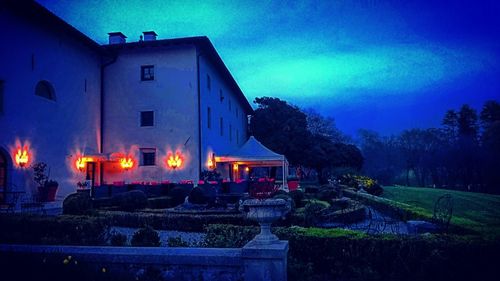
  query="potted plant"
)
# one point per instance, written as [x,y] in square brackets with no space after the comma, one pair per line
[47,188]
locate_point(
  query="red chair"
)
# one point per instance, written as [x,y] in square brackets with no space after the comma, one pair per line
[293,185]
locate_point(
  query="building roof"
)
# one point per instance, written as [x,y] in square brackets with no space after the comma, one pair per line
[253,152]
[204,46]
[31,10]
[37,13]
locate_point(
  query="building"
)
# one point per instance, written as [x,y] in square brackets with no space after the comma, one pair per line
[150,110]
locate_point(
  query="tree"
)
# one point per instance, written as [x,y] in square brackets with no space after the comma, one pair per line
[490,114]
[282,128]
[317,124]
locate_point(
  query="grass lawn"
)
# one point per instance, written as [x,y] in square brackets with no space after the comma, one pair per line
[478,211]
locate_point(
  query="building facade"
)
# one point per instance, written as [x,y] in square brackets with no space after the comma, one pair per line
[144,111]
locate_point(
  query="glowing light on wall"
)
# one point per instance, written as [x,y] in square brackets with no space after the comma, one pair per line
[211,162]
[247,169]
[235,167]
[22,157]
[174,162]
[81,163]
[126,163]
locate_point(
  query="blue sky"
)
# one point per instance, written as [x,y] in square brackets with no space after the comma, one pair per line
[382,65]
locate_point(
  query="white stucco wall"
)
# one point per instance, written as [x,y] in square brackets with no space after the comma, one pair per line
[54,130]
[173,97]
[234,116]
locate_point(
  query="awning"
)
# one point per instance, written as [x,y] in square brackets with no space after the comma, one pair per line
[253,152]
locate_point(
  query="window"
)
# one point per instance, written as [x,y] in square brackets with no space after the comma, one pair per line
[221,96]
[230,132]
[147,72]
[45,90]
[1,96]
[147,118]
[209,83]
[209,117]
[221,126]
[148,156]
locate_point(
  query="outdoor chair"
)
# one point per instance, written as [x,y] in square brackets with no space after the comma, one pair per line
[443,211]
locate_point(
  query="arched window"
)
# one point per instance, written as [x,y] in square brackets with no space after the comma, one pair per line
[45,90]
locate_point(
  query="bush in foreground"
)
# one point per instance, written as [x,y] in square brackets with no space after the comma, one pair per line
[145,237]
[131,200]
[77,204]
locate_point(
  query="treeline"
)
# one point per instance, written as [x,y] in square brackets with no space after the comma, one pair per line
[463,154]
[310,141]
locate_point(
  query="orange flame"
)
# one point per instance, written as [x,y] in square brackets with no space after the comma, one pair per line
[174,162]
[81,162]
[126,163]
[22,157]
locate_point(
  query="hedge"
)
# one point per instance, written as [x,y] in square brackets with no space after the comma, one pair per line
[65,230]
[338,254]
[170,221]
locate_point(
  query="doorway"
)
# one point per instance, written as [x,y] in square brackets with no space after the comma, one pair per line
[3,177]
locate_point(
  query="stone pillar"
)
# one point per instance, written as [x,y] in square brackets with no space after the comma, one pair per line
[265,261]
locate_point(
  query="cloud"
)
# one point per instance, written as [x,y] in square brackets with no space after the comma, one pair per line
[296,70]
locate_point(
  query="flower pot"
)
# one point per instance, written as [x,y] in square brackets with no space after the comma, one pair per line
[265,212]
[47,193]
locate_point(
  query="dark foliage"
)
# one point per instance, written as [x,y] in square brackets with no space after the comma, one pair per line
[197,196]
[131,200]
[64,230]
[336,254]
[463,154]
[77,204]
[145,237]
[178,195]
[118,239]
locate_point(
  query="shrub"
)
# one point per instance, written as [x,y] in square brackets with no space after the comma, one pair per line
[326,193]
[131,200]
[145,237]
[312,211]
[160,202]
[177,242]
[171,221]
[61,230]
[229,236]
[178,195]
[374,189]
[280,192]
[77,204]
[297,196]
[339,254]
[286,198]
[197,196]
[118,239]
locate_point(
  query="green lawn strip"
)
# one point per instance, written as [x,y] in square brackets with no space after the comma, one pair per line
[475,211]
[413,210]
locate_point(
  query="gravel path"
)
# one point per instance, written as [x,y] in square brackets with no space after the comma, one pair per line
[192,238]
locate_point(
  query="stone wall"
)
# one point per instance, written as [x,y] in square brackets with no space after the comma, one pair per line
[252,262]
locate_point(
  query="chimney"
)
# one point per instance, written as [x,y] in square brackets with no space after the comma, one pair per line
[116,38]
[149,35]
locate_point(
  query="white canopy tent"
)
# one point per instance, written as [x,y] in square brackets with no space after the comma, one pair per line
[255,154]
